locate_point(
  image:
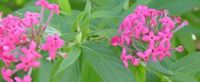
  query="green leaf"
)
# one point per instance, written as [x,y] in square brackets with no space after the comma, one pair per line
[151,77]
[55,67]
[65,6]
[190,63]
[111,5]
[186,40]
[143,2]
[89,74]
[72,57]
[104,14]
[177,7]
[71,74]
[139,72]
[43,73]
[106,63]
[182,77]
[108,33]
[158,68]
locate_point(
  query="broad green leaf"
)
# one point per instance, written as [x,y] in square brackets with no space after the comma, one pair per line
[89,74]
[143,2]
[157,67]
[108,33]
[42,74]
[190,63]
[139,72]
[72,57]
[186,40]
[177,7]
[54,68]
[65,6]
[106,63]
[71,74]
[183,77]
[111,5]
[151,77]
[44,70]
[103,14]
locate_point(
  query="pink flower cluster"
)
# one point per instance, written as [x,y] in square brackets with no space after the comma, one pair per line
[19,46]
[145,34]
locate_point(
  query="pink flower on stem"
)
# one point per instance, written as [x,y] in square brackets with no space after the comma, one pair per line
[125,57]
[6,74]
[154,53]
[26,78]
[165,35]
[31,51]
[144,55]
[30,58]
[17,49]
[179,49]
[54,8]
[115,41]
[151,38]
[42,3]
[8,58]
[185,23]
[163,51]
[167,22]
[30,19]
[53,43]
[126,38]
[147,26]
[139,29]
[135,61]
[27,63]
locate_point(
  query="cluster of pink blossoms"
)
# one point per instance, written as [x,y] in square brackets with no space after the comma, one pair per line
[20,40]
[145,34]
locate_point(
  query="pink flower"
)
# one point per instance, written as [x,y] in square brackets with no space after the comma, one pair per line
[165,35]
[43,3]
[53,43]
[167,22]
[31,51]
[6,74]
[54,8]
[179,49]
[30,19]
[8,58]
[115,41]
[135,61]
[30,58]
[147,32]
[27,63]
[26,78]
[139,29]
[163,51]
[126,38]
[151,38]
[125,58]
[144,55]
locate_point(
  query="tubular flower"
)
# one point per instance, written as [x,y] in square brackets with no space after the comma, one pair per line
[20,39]
[53,43]
[26,78]
[151,28]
